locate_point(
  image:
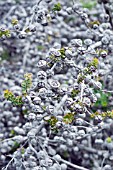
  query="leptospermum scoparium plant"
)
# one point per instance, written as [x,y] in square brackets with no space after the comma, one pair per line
[57,90]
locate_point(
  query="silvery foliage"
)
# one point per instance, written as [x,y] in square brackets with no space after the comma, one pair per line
[54,79]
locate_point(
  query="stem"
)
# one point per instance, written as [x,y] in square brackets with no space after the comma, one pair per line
[60,104]
[32,148]
[9,13]
[82,90]
[39,2]
[14,156]
[107,91]
[109,13]
[9,163]
[33,15]
[88,149]
[103,162]
[26,54]
[37,129]
[32,19]
[23,11]
[88,122]
[73,64]
[73,165]
[89,134]
[53,67]
[93,46]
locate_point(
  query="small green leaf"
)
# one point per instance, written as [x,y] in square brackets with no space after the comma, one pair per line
[109,140]
[57,7]
[16,145]
[14,21]
[22,151]
[74,93]
[40,47]
[27,83]
[88,4]
[12,132]
[93,23]
[68,118]
[94,63]
[27,30]
[103,100]
[16,100]
[51,120]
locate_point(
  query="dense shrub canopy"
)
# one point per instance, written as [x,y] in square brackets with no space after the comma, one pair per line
[56,93]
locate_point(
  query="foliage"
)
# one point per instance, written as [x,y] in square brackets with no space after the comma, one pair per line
[14,21]
[68,118]
[57,7]
[109,140]
[92,23]
[52,120]
[26,84]
[5,32]
[103,100]
[88,4]
[94,63]
[62,95]
[103,114]
[4,55]
[16,100]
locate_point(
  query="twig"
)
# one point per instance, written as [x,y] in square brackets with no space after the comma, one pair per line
[93,46]
[25,55]
[103,162]
[9,163]
[82,91]
[14,156]
[60,104]
[9,13]
[39,2]
[107,91]
[53,67]
[73,165]
[32,148]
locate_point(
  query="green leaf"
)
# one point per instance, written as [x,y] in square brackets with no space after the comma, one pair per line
[16,100]
[27,83]
[103,101]
[94,62]
[88,4]
[68,118]
[27,30]
[109,140]
[57,7]
[40,47]
[22,151]
[51,120]
[12,132]
[93,23]
[16,145]
[4,55]
[14,21]
[74,93]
